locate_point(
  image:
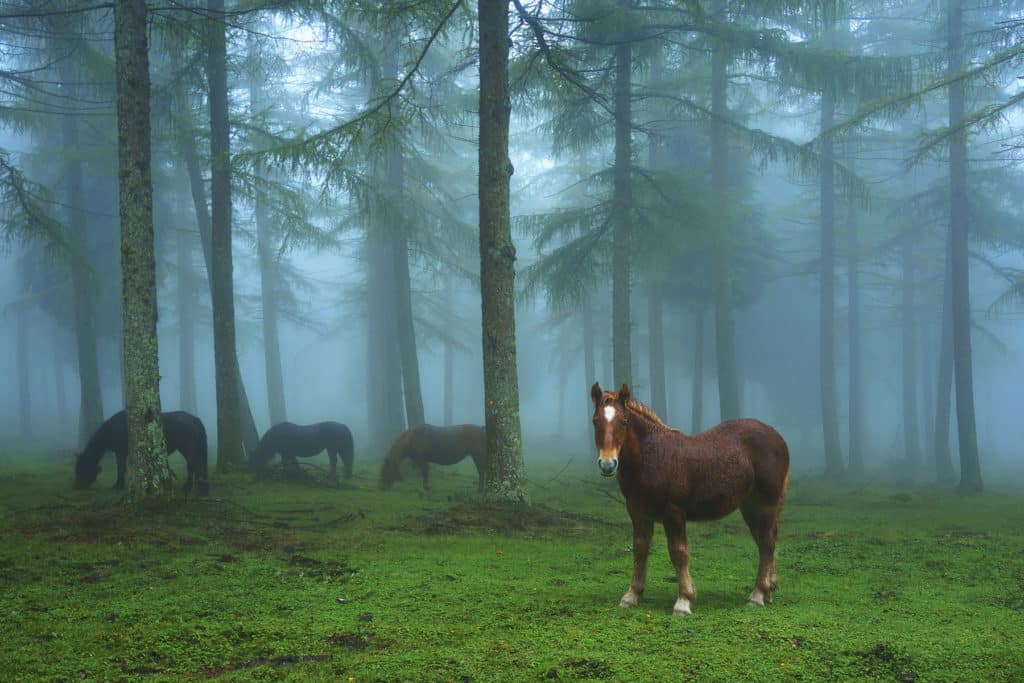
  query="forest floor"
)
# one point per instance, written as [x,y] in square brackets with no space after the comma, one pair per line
[308,581]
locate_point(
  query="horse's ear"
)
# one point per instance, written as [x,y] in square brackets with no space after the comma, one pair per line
[596,393]
[624,394]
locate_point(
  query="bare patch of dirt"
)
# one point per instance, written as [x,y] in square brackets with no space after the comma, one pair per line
[476,517]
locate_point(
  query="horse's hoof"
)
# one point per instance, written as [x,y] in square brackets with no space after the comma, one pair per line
[682,607]
[629,600]
[756,598]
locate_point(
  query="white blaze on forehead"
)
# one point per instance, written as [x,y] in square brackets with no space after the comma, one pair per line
[609,413]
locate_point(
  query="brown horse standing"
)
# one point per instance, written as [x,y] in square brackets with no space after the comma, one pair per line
[425,444]
[669,477]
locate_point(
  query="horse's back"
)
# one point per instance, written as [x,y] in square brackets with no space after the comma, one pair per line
[336,433]
[184,433]
[445,445]
[766,451]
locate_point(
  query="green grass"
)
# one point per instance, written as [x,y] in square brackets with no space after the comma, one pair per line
[876,584]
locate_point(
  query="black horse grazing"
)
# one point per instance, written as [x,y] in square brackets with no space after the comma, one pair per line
[293,441]
[425,444]
[184,433]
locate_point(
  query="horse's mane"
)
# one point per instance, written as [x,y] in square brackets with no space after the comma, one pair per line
[648,414]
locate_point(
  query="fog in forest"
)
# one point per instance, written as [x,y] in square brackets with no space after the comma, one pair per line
[326,225]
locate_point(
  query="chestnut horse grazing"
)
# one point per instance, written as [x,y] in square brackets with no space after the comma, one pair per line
[669,477]
[425,444]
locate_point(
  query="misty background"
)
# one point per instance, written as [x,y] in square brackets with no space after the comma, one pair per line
[308,68]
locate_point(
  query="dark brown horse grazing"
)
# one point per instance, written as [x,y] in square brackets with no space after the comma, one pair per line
[184,433]
[669,477]
[425,444]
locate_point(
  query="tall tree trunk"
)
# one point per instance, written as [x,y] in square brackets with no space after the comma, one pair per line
[856,409]
[505,470]
[57,346]
[190,153]
[186,322]
[589,360]
[657,351]
[269,277]
[911,441]
[697,397]
[829,412]
[622,205]
[403,290]
[90,415]
[449,366]
[385,414]
[924,366]
[725,344]
[148,473]
[970,467]
[230,451]
[24,393]
[944,381]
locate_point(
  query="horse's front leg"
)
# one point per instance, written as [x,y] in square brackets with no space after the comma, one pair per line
[679,551]
[334,464]
[122,462]
[425,473]
[643,529]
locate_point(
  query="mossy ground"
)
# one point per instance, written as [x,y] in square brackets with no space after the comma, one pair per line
[303,581]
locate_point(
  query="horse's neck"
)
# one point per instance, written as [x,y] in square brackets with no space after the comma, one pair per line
[644,427]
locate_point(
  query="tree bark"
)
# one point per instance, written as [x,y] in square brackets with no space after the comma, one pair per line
[725,344]
[505,470]
[829,412]
[622,206]
[269,276]
[911,440]
[90,415]
[697,397]
[856,410]
[970,467]
[148,473]
[190,153]
[657,351]
[230,451]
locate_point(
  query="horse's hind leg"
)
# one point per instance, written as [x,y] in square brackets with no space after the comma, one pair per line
[333,455]
[763,522]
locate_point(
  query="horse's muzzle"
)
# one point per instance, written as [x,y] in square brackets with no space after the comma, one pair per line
[608,467]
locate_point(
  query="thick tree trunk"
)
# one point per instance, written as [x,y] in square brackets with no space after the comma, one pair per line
[697,396]
[385,414]
[944,382]
[657,351]
[269,277]
[725,344]
[148,473]
[622,205]
[186,322]
[190,153]
[230,451]
[829,412]
[24,391]
[970,467]
[856,409]
[911,440]
[505,470]
[90,415]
